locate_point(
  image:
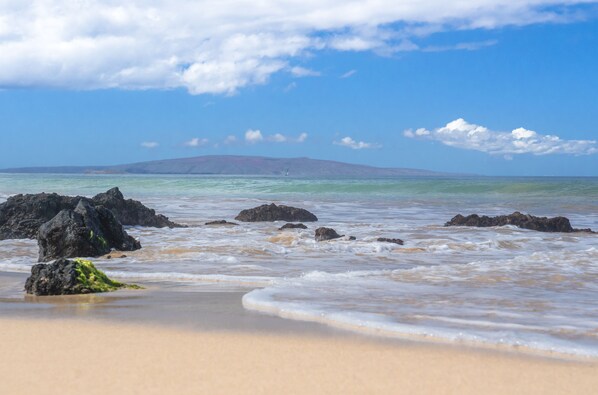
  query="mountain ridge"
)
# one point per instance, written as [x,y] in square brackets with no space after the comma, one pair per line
[234,165]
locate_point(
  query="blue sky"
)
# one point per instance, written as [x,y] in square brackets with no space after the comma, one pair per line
[500,93]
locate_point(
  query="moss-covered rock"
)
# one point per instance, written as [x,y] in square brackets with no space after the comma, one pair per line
[70,277]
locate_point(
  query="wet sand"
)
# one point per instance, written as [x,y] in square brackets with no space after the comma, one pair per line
[187,340]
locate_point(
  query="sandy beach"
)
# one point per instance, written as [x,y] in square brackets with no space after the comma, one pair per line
[72,357]
[165,340]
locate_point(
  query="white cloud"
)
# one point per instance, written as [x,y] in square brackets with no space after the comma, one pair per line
[302,137]
[461,134]
[278,138]
[298,71]
[221,46]
[195,142]
[230,139]
[150,144]
[348,74]
[350,143]
[253,136]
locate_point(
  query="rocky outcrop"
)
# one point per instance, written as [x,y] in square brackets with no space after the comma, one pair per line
[69,277]
[22,215]
[292,226]
[220,223]
[131,212]
[272,212]
[387,240]
[83,232]
[525,221]
[323,234]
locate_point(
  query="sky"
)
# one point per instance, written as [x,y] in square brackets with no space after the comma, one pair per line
[491,87]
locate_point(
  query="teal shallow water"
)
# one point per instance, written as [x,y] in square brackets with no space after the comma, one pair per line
[496,285]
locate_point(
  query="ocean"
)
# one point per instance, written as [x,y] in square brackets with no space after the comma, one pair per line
[482,286]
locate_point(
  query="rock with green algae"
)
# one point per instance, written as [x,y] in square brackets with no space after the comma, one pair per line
[70,277]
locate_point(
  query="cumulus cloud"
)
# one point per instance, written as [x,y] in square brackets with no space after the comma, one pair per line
[253,136]
[221,46]
[150,144]
[195,142]
[350,143]
[462,134]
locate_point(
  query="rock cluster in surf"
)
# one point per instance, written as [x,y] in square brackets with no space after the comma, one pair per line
[524,221]
[22,215]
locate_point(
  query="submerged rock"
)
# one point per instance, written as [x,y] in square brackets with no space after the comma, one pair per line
[69,277]
[84,231]
[387,240]
[292,226]
[272,212]
[525,221]
[323,234]
[22,215]
[221,222]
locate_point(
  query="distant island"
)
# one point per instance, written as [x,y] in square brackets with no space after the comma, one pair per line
[235,165]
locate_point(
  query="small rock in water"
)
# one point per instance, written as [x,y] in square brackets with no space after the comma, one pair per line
[323,234]
[292,226]
[352,238]
[221,222]
[387,240]
[272,212]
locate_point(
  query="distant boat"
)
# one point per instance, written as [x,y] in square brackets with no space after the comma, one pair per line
[286,173]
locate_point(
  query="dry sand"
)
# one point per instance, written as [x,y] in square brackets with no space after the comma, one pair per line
[67,356]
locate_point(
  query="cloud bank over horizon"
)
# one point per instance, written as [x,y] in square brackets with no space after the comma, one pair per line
[462,134]
[221,46]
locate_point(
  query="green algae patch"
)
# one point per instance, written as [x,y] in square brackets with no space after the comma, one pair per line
[94,280]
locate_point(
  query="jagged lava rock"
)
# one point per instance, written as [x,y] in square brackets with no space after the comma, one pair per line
[82,232]
[387,240]
[272,212]
[292,226]
[22,215]
[525,221]
[131,212]
[323,234]
[69,277]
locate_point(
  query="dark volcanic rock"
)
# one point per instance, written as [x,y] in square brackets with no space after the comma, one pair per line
[66,277]
[22,215]
[387,240]
[131,212]
[292,226]
[525,221]
[272,212]
[85,231]
[323,234]
[352,238]
[221,222]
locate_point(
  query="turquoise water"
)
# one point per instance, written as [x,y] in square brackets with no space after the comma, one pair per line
[492,286]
